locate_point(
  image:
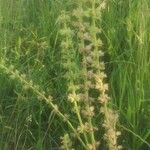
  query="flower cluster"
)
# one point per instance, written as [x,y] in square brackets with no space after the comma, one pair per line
[88,49]
[66,143]
[86,17]
[68,55]
[109,124]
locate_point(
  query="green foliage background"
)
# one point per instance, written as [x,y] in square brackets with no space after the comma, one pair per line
[29,40]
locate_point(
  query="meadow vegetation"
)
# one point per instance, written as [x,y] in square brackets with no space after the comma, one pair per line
[74,74]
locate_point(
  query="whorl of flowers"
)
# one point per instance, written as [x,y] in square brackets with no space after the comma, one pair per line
[68,56]
[66,143]
[86,16]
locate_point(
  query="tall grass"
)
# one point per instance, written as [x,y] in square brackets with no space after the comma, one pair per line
[39,75]
[128,44]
